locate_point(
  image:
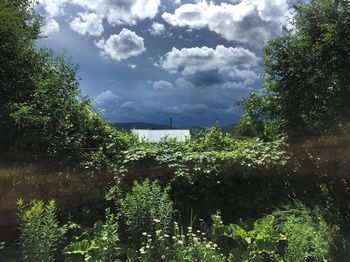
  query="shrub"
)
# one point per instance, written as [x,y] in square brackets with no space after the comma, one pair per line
[309,237]
[147,208]
[40,232]
[293,233]
[100,243]
[258,244]
[213,139]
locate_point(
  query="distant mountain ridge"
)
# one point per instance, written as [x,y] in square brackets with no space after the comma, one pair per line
[138,125]
[145,125]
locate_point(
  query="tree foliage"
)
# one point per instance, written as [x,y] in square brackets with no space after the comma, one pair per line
[19,28]
[43,115]
[307,81]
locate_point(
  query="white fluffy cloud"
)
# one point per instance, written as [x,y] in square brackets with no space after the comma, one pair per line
[50,27]
[162,85]
[87,23]
[157,29]
[122,46]
[223,66]
[246,21]
[53,7]
[115,11]
[192,60]
[129,11]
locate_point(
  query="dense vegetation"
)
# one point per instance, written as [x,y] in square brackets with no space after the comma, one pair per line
[278,190]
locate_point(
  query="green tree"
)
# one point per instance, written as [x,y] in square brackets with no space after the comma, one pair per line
[43,116]
[19,28]
[307,82]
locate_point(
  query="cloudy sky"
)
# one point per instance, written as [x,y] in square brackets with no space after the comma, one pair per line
[149,60]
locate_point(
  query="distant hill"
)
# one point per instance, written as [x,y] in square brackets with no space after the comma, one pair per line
[144,125]
[138,125]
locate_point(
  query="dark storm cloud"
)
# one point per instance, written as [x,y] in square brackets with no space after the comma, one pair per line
[206,78]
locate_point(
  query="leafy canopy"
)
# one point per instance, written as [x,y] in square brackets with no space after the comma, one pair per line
[307,81]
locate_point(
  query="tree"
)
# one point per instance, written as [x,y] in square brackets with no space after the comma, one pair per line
[307,81]
[19,28]
[43,117]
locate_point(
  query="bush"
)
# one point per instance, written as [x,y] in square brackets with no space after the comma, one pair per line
[293,233]
[40,232]
[213,139]
[309,237]
[100,243]
[147,208]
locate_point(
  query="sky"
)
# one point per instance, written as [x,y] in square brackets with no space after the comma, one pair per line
[149,60]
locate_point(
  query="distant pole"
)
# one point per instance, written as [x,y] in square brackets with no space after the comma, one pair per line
[171,122]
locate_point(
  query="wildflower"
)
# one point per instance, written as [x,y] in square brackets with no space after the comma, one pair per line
[180,242]
[163,257]
[144,234]
[158,232]
[156,220]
